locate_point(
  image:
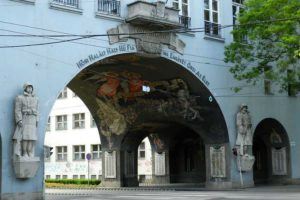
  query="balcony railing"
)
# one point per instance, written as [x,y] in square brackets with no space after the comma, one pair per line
[185,21]
[212,29]
[72,3]
[111,7]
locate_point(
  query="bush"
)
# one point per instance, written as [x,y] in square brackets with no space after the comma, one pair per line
[74,181]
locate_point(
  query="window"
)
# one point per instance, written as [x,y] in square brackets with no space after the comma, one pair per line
[110,7]
[93,123]
[183,7]
[142,152]
[75,176]
[78,152]
[267,81]
[61,153]
[48,176]
[293,85]
[93,177]
[78,120]
[61,122]
[65,176]
[63,94]
[237,7]
[82,176]
[96,151]
[48,124]
[57,176]
[211,18]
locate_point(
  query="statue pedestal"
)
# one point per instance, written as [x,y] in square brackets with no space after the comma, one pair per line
[245,162]
[26,167]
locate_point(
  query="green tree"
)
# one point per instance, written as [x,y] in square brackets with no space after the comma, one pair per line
[267,37]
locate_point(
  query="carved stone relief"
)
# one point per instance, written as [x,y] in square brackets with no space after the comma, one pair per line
[110,164]
[279,161]
[217,161]
[148,43]
[160,164]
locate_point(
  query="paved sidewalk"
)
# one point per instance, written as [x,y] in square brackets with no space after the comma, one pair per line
[285,192]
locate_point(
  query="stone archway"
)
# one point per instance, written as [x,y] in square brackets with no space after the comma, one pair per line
[129,93]
[271,149]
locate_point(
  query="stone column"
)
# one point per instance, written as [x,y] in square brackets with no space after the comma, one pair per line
[218,166]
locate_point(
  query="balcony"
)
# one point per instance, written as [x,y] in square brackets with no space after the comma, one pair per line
[109,7]
[71,3]
[153,15]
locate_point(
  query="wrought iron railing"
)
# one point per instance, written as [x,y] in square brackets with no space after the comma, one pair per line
[111,7]
[185,21]
[212,29]
[72,3]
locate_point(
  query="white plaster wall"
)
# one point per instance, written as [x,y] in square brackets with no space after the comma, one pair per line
[87,137]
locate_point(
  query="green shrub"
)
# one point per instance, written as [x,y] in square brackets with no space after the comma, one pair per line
[74,181]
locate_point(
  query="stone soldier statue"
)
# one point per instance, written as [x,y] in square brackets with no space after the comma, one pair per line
[244,129]
[26,116]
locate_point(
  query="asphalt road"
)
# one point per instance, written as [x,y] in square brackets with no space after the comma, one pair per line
[261,193]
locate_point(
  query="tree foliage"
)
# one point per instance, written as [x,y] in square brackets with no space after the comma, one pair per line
[266,42]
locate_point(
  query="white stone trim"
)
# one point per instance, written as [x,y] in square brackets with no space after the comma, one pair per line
[58,6]
[25,1]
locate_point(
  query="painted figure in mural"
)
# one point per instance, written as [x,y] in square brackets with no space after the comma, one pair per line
[244,129]
[158,143]
[184,100]
[26,116]
[108,90]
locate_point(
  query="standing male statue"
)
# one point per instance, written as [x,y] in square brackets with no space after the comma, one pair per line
[244,130]
[26,116]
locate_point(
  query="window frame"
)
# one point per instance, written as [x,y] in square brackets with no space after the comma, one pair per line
[142,150]
[80,121]
[98,152]
[180,4]
[63,153]
[63,94]
[48,127]
[211,20]
[80,153]
[92,122]
[64,122]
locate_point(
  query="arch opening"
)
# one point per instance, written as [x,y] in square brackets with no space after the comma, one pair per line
[271,149]
[133,96]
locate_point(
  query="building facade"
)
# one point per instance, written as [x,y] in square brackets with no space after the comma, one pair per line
[144,69]
[72,133]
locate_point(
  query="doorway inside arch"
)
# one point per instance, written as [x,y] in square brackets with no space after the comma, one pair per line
[271,149]
[187,158]
[144,163]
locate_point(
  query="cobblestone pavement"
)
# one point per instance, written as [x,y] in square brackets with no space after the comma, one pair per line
[258,193]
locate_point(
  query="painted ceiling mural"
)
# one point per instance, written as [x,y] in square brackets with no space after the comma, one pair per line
[125,96]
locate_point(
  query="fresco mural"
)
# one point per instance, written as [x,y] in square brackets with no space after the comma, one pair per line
[124,97]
